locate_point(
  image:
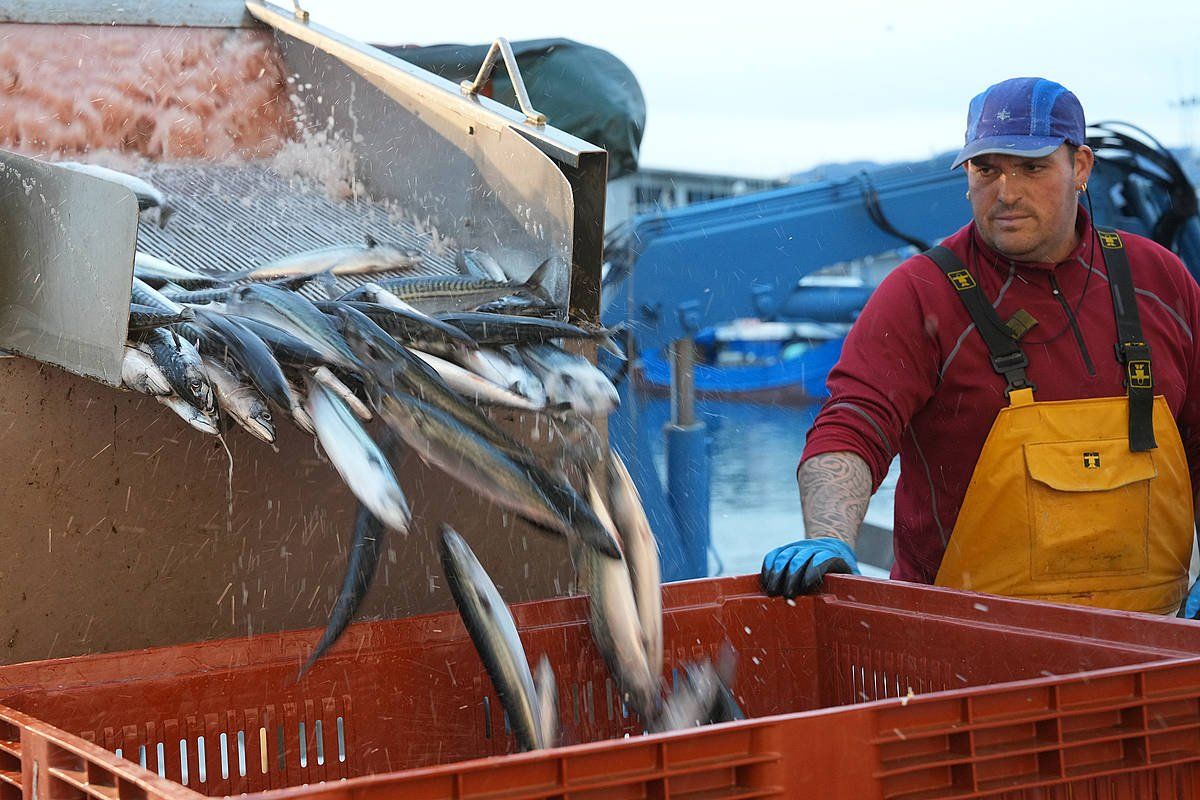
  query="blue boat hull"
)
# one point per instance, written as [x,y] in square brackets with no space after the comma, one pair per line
[796,381]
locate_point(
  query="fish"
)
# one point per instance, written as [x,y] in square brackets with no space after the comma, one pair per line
[298,414]
[345,259]
[154,270]
[180,362]
[473,387]
[144,294]
[641,557]
[435,294]
[145,317]
[443,442]
[147,195]
[288,349]
[140,373]
[330,381]
[502,329]
[240,400]
[692,701]
[366,546]
[235,342]
[205,423]
[221,293]
[370,292]
[406,326]
[504,367]
[491,627]
[546,687]
[474,261]
[614,622]
[294,314]
[359,461]
[571,380]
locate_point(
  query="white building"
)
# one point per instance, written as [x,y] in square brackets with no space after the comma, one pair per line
[648,189]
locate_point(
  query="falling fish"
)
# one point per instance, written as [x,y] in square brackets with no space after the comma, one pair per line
[349,259]
[492,629]
[571,380]
[293,314]
[159,271]
[359,461]
[205,423]
[180,363]
[366,545]
[241,400]
[473,387]
[147,195]
[140,373]
[641,557]
[547,702]
[324,376]
[614,622]
[145,317]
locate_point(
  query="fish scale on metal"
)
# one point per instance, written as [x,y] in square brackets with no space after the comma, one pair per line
[233,217]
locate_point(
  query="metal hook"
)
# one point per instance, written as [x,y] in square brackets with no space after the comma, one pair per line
[502,48]
[300,13]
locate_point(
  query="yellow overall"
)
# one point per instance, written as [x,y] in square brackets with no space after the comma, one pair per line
[1059,508]
[1075,501]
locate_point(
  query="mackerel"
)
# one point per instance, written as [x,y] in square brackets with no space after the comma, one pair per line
[345,259]
[140,373]
[234,341]
[492,629]
[641,556]
[444,293]
[147,195]
[401,325]
[153,269]
[359,461]
[205,423]
[180,362]
[366,546]
[294,314]
[241,401]
[145,317]
[473,387]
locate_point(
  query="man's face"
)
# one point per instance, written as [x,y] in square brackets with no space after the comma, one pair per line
[1025,207]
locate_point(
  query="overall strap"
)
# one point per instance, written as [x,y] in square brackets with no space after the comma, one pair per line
[1007,357]
[1132,350]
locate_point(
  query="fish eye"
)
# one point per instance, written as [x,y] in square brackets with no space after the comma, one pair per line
[265,415]
[194,384]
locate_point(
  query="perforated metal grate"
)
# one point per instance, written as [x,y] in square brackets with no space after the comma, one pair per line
[239,216]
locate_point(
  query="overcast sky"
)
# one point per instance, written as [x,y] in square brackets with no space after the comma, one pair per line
[770,88]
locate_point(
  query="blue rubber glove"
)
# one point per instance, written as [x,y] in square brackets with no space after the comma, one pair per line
[798,568]
[1191,604]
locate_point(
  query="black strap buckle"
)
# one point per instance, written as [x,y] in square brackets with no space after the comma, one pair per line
[1012,367]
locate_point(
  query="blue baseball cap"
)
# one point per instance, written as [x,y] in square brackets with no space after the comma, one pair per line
[1029,117]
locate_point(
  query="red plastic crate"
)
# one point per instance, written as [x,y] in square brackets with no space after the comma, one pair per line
[1000,706]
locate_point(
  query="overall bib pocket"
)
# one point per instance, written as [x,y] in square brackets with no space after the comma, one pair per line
[1089,508]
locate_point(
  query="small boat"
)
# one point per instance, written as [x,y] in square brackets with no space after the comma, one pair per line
[755,361]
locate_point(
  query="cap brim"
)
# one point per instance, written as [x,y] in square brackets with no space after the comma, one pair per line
[1022,146]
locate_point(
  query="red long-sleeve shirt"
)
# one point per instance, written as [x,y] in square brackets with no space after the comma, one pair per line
[914,375]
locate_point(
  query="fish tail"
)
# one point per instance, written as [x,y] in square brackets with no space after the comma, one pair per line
[164,213]
[535,283]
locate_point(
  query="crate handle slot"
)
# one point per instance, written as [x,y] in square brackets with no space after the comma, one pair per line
[224,741]
[341,737]
[201,761]
[501,48]
[183,764]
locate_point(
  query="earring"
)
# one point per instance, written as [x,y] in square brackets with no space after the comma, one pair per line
[1083,186]
[968,194]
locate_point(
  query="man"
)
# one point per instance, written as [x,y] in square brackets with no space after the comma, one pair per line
[1040,380]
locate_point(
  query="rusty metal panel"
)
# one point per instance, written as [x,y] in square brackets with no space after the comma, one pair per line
[66,264]
[119,531]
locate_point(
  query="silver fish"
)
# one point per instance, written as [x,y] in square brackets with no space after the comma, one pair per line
[145,192]
[293,314]
[348,259]
[140,373]
[547,702]
[505,368]
[146,295]
[492,629]
[613,618]
[180,362]
[435,294]
[571,380]
[366,545]
[330,381]
[241,401]
[474,261]
[473,387]
[641,556]
[152,268]
[445,443]
[692,702]
[359,461]
[374,293]
[205,423]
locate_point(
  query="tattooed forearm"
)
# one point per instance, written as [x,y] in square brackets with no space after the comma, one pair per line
[834,491]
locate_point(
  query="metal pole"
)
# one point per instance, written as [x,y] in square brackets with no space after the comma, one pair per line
[687,461]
